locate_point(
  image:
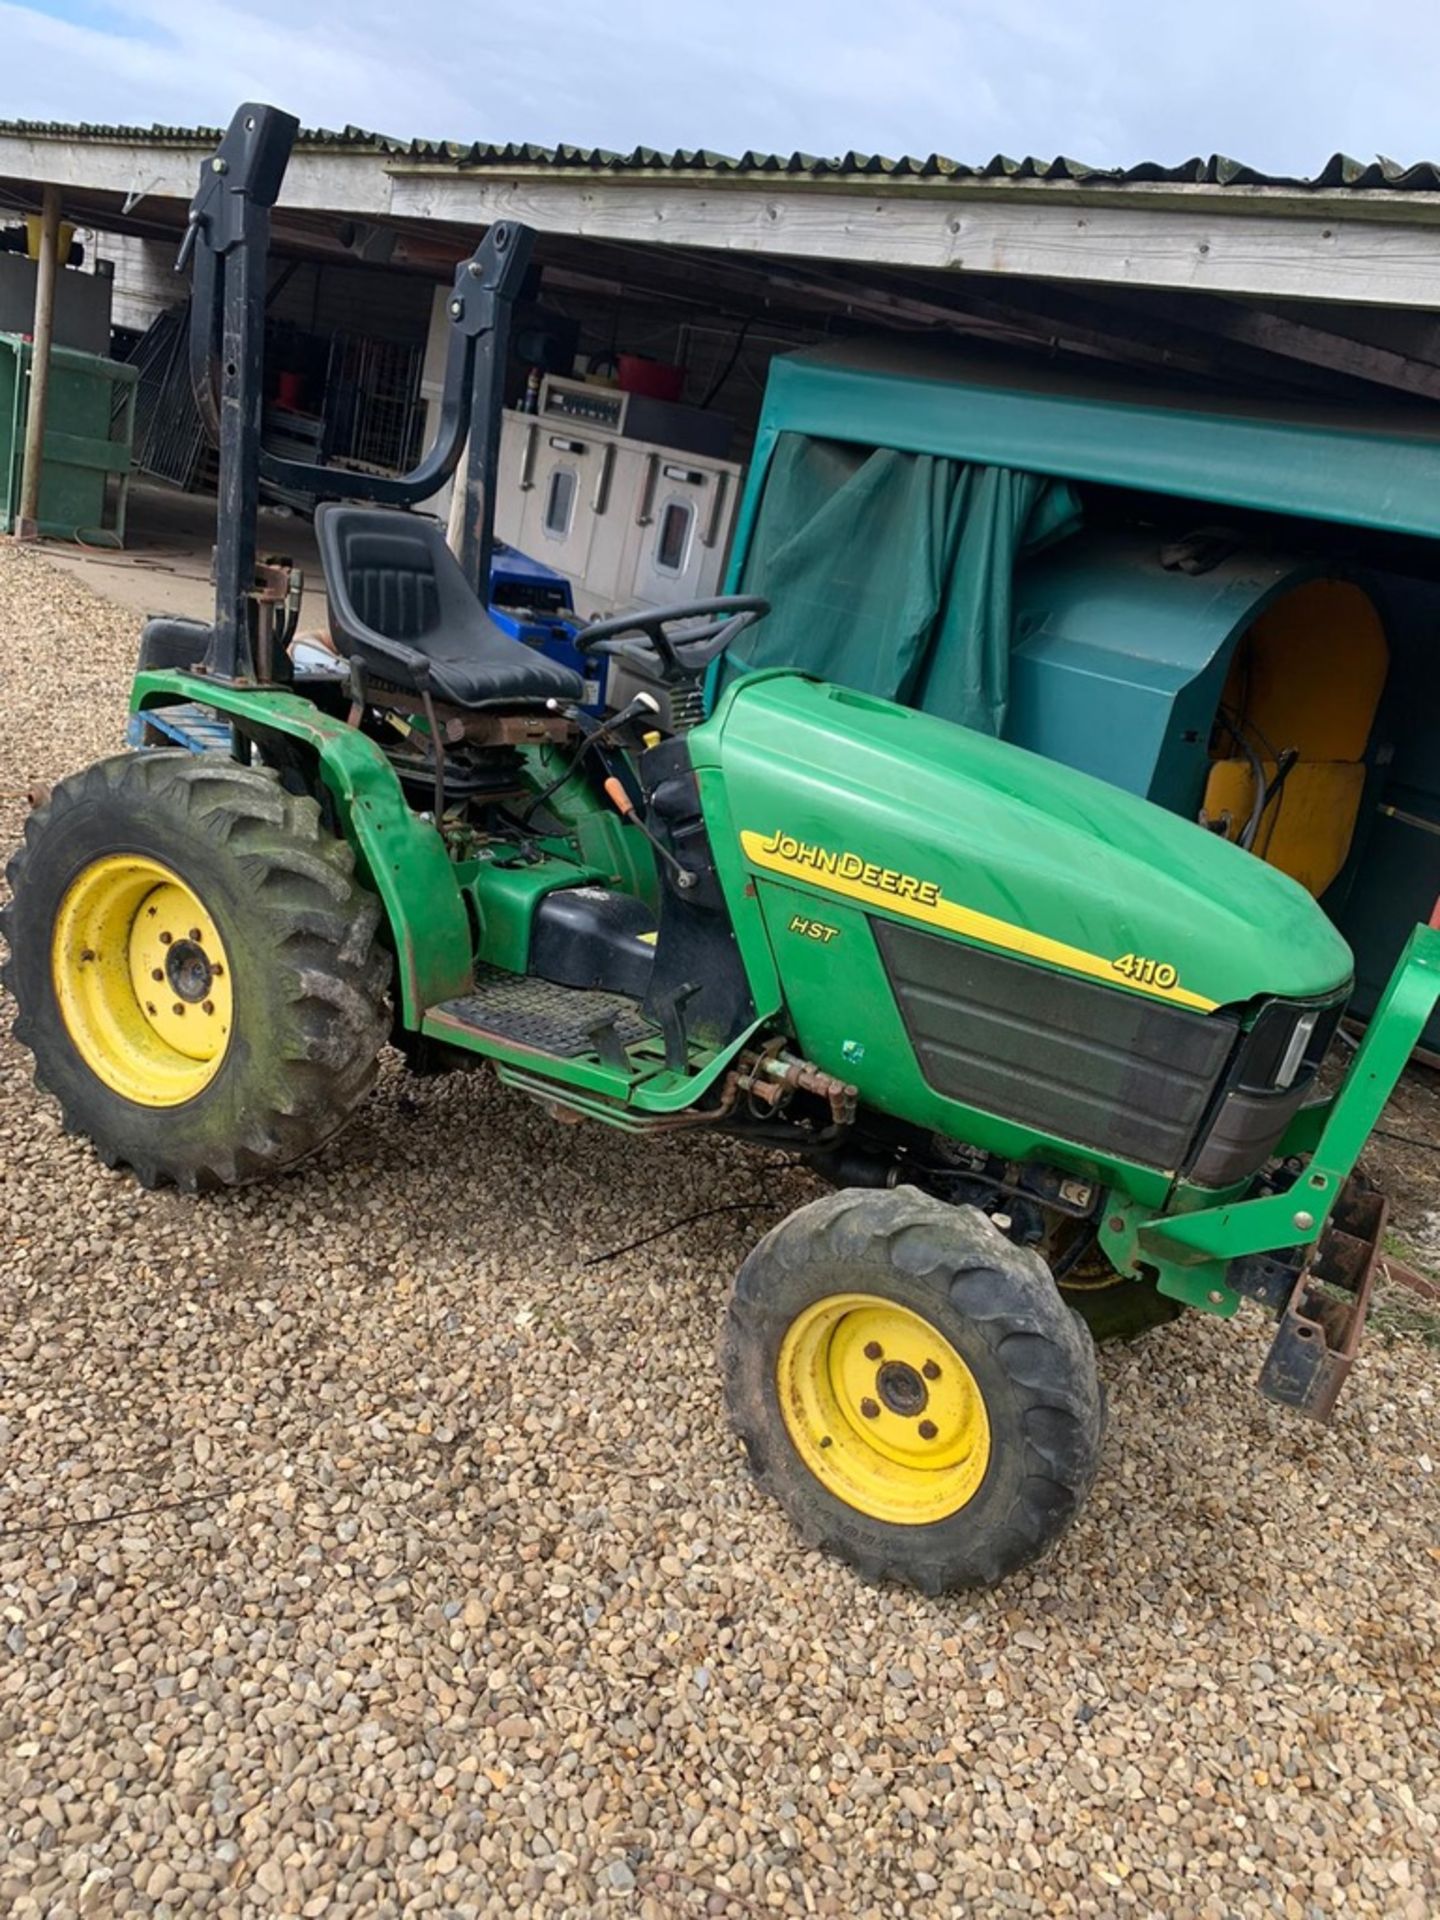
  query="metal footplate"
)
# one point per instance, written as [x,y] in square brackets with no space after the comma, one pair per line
[536,1014]
[1324,1317]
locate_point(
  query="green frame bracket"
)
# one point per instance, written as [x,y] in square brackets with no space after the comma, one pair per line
[1201,1284]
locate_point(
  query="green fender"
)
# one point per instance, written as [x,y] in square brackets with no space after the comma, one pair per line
[399,855]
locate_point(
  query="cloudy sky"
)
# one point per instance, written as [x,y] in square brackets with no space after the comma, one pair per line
[1279,83]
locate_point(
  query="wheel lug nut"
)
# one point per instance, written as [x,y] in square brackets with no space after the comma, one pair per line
[874,1351]
[827,1441]
[930,1370]
[157,973]
[177,1008]
[928,1429]
[209,1006]
[870,1409]
[196,935]
[166,938]
[217,971]
[149,1006]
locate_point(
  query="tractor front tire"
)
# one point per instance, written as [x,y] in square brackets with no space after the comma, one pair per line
[911,1388]
[196,969]
[1115,1307]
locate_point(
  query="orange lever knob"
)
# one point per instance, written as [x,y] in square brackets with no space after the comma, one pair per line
[618,797]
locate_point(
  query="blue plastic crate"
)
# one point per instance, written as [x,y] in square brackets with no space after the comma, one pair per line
[199,728]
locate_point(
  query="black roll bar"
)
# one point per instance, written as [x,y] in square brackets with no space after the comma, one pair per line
[228,237]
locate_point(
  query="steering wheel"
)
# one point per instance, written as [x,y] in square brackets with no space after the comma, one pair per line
[708,628]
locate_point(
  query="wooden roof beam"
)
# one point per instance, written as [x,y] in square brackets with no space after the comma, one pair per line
[1363,248]
[1367,261]
[1053,318]
[1286,338]
[798,296]
[1174,340]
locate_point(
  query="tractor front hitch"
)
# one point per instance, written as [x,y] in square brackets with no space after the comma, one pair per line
[1323,1317]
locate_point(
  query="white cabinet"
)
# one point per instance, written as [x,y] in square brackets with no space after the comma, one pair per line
[630,522]
[558,479]
[677,543]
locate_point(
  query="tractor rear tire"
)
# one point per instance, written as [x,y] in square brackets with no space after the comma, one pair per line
[911,1388]
[197,971]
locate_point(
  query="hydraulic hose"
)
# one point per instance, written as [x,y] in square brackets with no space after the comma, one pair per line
[1257,770]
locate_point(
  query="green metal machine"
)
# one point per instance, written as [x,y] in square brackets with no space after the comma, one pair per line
[1054,1047]
[89,431]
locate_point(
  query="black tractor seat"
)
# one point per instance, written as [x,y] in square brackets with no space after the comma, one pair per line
[401,606]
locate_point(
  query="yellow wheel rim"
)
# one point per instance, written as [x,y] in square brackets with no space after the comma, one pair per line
[882,1409]
[142,980]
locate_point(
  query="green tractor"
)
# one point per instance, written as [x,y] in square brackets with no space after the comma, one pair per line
[1054,1048]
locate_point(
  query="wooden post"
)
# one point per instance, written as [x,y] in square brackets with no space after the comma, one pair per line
[27,521]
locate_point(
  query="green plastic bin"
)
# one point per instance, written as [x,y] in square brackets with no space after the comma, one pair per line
[89,433]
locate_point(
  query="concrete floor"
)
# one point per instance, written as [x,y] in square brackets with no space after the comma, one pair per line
[165,567]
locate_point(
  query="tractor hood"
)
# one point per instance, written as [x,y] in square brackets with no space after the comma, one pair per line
[921,821]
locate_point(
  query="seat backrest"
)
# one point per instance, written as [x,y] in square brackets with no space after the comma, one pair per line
[389,572]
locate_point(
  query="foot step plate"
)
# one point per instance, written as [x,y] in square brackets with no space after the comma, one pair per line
[538,1014]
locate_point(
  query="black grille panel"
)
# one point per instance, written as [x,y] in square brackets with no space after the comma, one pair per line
[1105,1068]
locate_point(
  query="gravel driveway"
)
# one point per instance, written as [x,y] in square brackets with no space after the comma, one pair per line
[369,1543]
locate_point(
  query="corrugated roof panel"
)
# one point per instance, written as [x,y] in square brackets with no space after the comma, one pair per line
[1340,172]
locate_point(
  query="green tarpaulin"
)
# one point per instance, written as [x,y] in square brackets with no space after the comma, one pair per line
[890,572]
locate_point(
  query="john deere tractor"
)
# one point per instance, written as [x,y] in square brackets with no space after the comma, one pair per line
[1054,1049]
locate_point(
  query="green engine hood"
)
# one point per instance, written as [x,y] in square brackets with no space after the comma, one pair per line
[916,818]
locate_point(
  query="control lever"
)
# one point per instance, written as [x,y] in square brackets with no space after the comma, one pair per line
[605,1036]
[619,799]
[643,707]
[598,734]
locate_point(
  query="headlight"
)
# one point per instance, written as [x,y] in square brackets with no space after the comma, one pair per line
[1295,1050]
[1271,1074]
[1286,1042]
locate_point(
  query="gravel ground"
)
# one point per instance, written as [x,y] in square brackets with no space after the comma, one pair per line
[369,1545]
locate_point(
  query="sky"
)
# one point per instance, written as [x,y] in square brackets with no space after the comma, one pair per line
[1280,84]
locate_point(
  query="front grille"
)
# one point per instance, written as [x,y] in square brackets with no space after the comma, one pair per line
[1106,1069]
